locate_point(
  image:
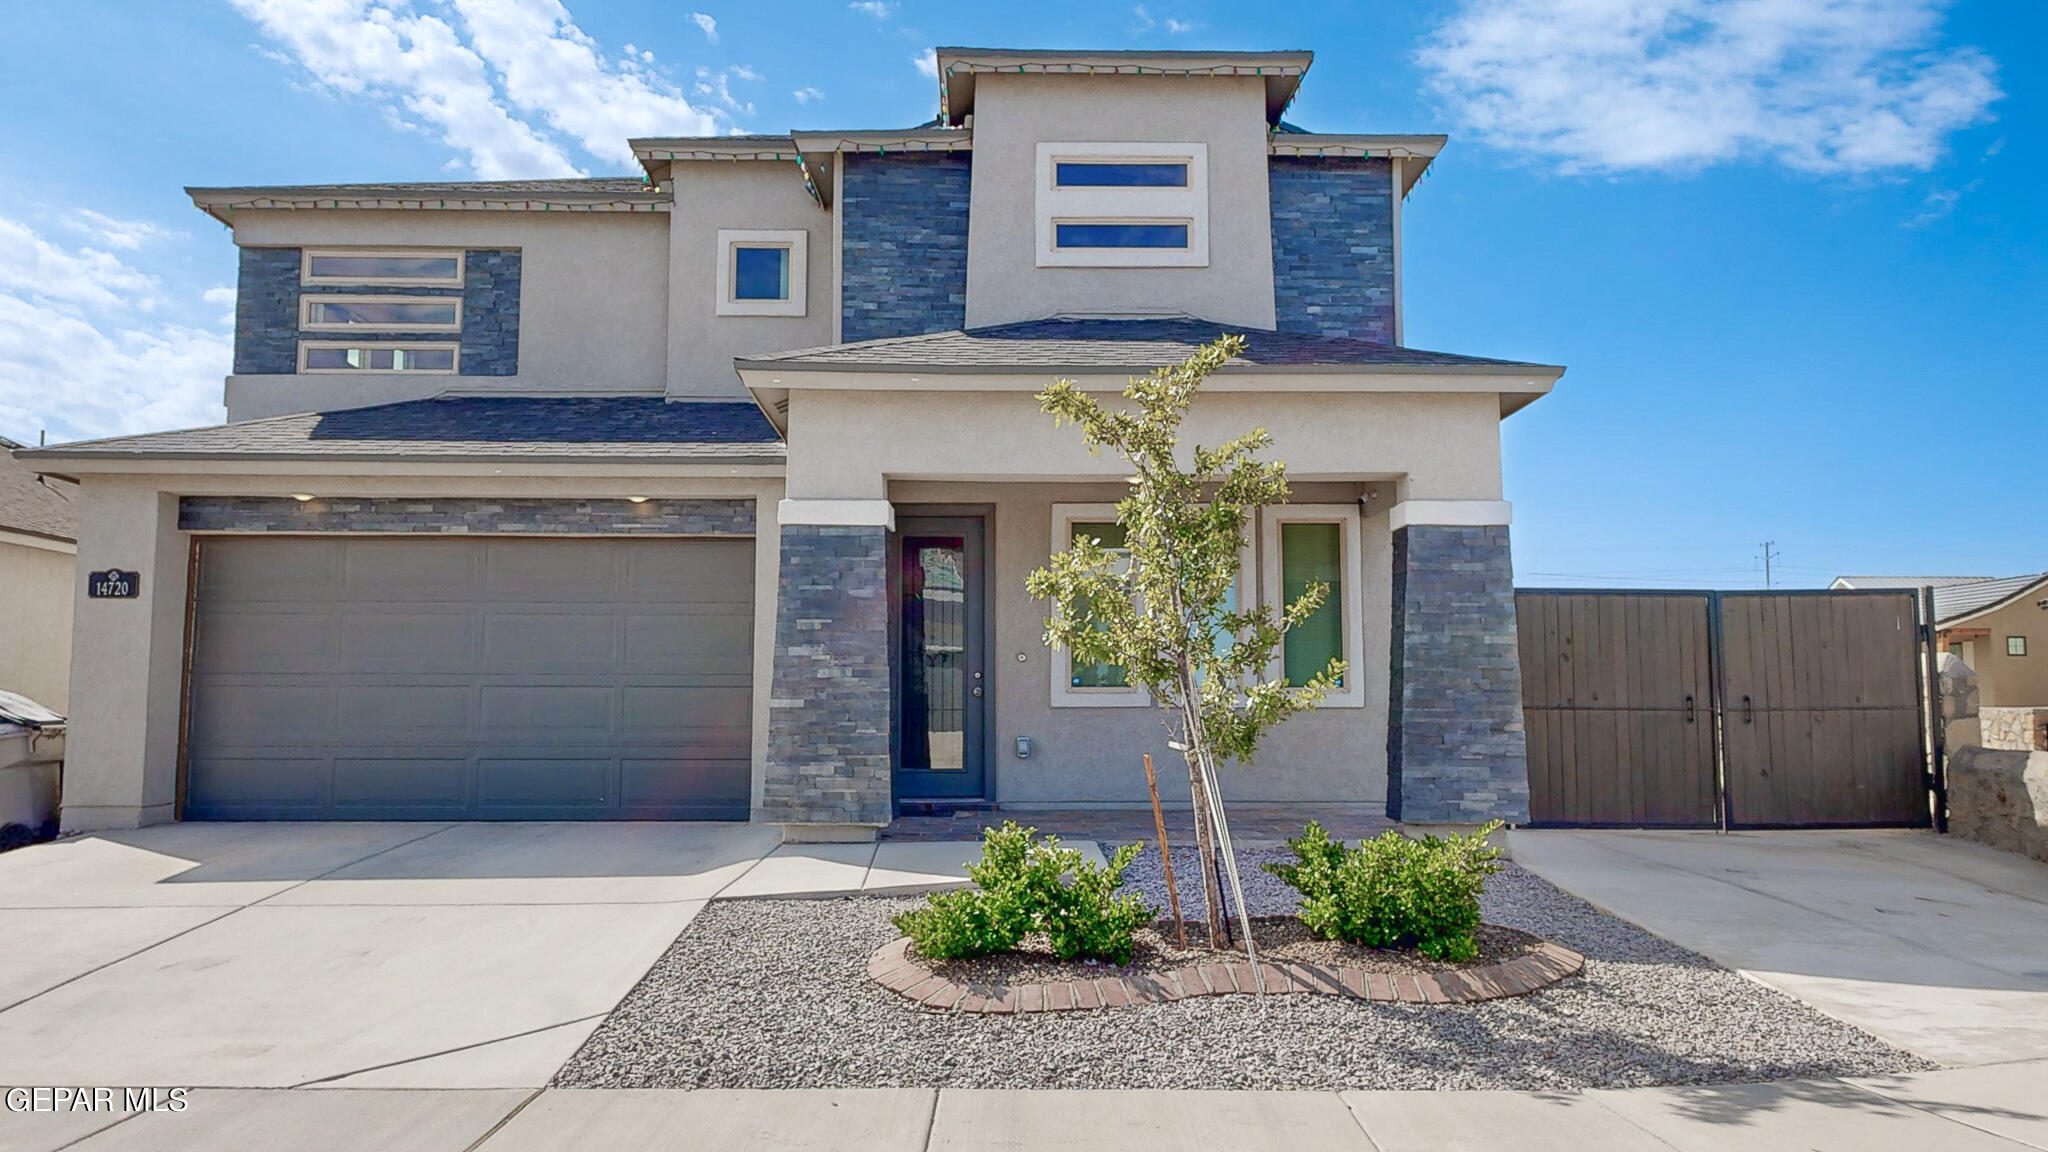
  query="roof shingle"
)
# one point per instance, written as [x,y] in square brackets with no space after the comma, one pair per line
[1084,345]
[474,427]
[29,504]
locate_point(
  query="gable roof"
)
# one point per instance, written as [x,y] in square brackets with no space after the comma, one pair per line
[30,505]
[1959,602]
[475,428]
[1089,346]
[1855,582]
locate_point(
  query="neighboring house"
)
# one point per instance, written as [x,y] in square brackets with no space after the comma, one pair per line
[713,495]
[1865,583]
[2000,629]
[38,566]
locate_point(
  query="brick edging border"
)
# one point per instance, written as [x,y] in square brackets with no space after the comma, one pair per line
[895,969]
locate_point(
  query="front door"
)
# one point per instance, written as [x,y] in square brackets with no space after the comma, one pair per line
[942,696]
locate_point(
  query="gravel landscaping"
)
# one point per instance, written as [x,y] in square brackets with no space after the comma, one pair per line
[773,994]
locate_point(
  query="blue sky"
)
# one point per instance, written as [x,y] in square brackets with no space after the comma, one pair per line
[1792,251]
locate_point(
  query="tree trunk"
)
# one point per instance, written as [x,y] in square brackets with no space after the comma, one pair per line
[1205,844]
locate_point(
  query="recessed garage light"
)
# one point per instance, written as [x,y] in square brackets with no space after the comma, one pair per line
[637,499]
[302,497]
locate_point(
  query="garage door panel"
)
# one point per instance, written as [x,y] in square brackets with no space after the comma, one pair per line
[231,782]
[265,641]
[706,572]
[712,643]
[385,642]
[564,782]
[481,678]
[287,570]
[242,712]
[544,570]
[560,643]
[381,782]
[412,712]
[400,571]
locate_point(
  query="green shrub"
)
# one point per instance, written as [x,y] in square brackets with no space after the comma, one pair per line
[1393,892]
[1023,886]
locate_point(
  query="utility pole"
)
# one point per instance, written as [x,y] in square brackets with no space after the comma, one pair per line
[1769,555]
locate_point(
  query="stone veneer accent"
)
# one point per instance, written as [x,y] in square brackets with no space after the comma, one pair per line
[1455,748]
[895,969]
[2014,729]
[1333,246]
[829,706]
[903,247]
[267,312]
[455,516]
[1999,796]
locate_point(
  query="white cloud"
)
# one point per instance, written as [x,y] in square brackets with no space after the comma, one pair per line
[500,81]
[807,94]
[1147,22]
[927,63]
[222,297]
[879,9]
[709,25]
[80,354]
[1180,27]
[718,86]
[1614,85]
[127,235]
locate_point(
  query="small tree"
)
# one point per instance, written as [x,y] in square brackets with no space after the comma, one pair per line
[1162,610]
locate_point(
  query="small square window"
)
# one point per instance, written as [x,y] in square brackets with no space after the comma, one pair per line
[2015,645]
[760,272]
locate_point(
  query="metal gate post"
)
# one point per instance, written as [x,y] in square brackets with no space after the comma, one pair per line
[1937,750]
[1717,693]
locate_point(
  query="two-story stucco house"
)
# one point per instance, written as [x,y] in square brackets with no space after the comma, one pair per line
[711,495]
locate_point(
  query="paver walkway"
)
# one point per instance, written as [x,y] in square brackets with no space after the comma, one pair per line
[1251,825]
[1934,944]
[1998,1108]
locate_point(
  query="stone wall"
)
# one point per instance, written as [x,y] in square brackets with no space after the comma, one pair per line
[1455,742]
[903,244]
[1333,246]
[829,707]
[267,312]
[1958,683]
[443,516]
[2000,797]
[2014,729]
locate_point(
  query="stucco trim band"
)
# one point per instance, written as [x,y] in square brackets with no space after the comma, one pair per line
[1451,513]
[837,513]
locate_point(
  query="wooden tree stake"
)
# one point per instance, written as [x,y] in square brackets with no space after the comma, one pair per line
[1180,926]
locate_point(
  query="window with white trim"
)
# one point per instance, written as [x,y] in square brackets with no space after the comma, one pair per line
[761,272]
[340,356]
[1083,685]
[1112,205]
[414,267]
[1304,544]
[380,313]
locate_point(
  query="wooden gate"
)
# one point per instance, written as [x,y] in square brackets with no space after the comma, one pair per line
[1722,709]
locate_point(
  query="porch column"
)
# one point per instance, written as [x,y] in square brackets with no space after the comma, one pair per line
[127,661]
[1455,751]
[827,774]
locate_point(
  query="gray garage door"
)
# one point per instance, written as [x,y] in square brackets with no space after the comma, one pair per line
[493,679]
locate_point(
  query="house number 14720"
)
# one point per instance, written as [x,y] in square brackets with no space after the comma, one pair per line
[113,584]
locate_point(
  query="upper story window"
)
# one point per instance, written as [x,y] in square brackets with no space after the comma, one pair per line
[1117,205]
[388,313]
[761,272]
[323,356]
[2015,645]
[353,267]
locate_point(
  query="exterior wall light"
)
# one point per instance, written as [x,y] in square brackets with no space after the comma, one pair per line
[302,497]
[637,499]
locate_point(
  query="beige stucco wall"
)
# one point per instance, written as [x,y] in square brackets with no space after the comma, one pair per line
[1014,114]
[1092,755]
[35,619]
[592,308]
[2012,681]
[121,766]
[847,444]
[713,195]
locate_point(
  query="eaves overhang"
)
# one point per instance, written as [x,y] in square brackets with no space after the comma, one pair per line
[1413,154]
[959,67]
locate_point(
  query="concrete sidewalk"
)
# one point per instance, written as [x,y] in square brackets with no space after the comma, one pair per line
[1933,944]
[1997,1107]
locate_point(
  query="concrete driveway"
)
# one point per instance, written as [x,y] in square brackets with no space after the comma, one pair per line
[339,955]
[1936,945]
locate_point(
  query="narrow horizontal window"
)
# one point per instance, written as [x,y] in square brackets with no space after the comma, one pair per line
[377,358]
[1119,174]
[760,273]
[341,312]
[426,269]
[1120,235]
[1312,553]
